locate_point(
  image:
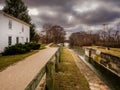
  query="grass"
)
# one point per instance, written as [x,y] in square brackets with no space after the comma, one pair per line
[6,61]
[42,46]
[69,76]
[112,51]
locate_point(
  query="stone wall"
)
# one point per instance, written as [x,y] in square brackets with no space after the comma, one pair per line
[109,61]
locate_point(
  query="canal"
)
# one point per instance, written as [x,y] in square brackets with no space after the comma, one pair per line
[106,76]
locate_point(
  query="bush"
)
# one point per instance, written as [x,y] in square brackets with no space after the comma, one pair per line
[20,48]
[33,46]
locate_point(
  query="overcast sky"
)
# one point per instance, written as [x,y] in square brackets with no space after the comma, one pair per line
[73,15]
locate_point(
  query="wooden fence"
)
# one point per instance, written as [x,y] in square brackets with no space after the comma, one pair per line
[50,68]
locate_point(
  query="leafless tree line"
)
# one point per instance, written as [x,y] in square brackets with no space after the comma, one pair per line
[110,38]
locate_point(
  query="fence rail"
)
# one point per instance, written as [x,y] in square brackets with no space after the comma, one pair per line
[50,68]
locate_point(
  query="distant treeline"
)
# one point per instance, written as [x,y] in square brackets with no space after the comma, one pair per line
[108,38]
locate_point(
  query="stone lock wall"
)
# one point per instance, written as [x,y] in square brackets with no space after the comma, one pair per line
[109,61]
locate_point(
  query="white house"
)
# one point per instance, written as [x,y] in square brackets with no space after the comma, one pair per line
[12,31]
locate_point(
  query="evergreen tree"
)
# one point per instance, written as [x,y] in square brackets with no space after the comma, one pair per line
[34,37]
[17,9]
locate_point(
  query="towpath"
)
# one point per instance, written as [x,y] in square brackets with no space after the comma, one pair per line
[18,76]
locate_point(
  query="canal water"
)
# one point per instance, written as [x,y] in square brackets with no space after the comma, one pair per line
[106,76]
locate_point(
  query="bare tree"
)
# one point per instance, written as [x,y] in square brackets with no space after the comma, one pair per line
[54,33]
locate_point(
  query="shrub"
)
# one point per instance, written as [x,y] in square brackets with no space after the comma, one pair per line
[35,46]
[20,48]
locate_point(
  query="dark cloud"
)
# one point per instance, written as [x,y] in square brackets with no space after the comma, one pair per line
[107,11]
[1,1]
[99,16]
[50,3]
[116,2]
[60,19]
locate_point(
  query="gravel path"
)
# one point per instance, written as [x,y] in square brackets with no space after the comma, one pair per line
[18,76]
[94,82]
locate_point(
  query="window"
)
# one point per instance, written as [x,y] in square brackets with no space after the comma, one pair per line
[17,40]
[22,40]
[9,40]
[26,40]
[22,28]
[10,24]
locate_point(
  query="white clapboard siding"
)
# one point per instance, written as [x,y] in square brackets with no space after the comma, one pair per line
[16,30]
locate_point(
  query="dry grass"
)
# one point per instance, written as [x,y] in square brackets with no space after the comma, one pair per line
[69,76]
[42,46]
[112,51]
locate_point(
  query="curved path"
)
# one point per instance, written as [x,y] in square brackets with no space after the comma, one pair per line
[18,76]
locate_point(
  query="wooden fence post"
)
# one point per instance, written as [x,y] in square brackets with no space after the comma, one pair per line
[60,50]
[50,69]
[57,61]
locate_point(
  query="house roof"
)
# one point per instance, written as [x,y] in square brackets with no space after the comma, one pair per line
[14,18]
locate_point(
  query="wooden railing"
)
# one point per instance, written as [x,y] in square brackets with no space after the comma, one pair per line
[50,68]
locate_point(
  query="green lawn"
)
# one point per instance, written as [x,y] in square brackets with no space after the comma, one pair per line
[69,76]
[6,61]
